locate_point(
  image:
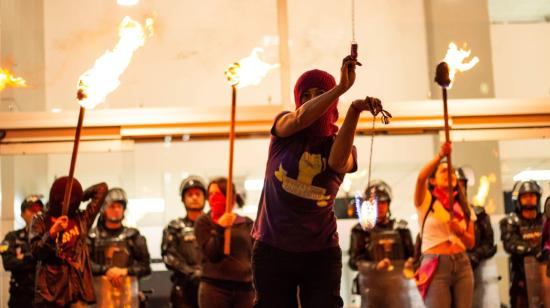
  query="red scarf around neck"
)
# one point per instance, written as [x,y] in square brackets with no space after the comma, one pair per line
[442,194]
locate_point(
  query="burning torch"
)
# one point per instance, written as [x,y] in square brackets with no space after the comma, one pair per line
[248,71]
[7,80]
[444,76]
[98,82]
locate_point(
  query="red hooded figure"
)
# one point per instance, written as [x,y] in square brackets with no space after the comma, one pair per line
[63,275]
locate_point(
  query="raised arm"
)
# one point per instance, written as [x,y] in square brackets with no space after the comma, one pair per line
[429,168]
[96,194]
[313,109]
[341,159]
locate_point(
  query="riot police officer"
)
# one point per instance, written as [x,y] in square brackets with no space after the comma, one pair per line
[180,250]
[382,254]
[119,255]
[17,258]
[485,246]
[521,236]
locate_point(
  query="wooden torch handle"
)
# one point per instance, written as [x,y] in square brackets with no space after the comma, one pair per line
[76,143]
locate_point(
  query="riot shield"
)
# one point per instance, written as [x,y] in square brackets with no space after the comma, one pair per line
[384,288]
[538,284]
[486,290]
[108,296]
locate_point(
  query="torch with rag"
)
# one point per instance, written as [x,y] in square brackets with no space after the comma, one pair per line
[98,82]
[444,76]
[248,71]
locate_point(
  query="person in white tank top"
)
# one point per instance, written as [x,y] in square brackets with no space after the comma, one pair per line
[445,238]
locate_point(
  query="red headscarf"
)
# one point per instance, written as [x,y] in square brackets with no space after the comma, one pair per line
[324,126]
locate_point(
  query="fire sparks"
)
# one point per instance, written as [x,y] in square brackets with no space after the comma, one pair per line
[455,59]
[7,80]
[96,83]
[248,71]
[367,211]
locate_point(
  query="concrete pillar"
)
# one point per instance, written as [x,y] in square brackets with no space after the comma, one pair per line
[461,22]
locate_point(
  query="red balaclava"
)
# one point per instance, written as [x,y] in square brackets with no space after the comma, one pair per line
[57,192]
[217,202]
[324,126]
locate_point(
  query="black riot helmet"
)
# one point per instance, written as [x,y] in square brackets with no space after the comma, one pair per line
[33,202]
[381,190]
[192,181]
[116,195]
[524,187]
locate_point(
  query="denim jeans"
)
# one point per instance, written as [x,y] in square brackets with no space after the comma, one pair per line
[452,284]
[278,275]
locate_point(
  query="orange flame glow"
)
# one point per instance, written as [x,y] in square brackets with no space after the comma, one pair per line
[455,59]
[7,80]
[483,190]
[98,82]
[248,71]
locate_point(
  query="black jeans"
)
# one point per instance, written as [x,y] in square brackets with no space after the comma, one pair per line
[225,295]
[185,293]
[279,274]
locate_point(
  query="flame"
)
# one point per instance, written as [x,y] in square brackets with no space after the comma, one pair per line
[8,80]
[483,190]
[248,71]
[98,82]
[367,211]
[455,59]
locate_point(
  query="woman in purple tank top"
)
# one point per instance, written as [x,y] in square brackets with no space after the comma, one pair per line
[296,240]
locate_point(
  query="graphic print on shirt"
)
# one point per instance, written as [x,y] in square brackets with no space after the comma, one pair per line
[67,242]
[531,235]
[309,166]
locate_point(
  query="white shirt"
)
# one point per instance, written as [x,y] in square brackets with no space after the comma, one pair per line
[437,230]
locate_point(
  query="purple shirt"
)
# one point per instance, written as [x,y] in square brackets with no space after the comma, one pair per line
[295,212]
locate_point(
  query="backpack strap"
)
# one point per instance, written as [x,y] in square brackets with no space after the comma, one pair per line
[430,209]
